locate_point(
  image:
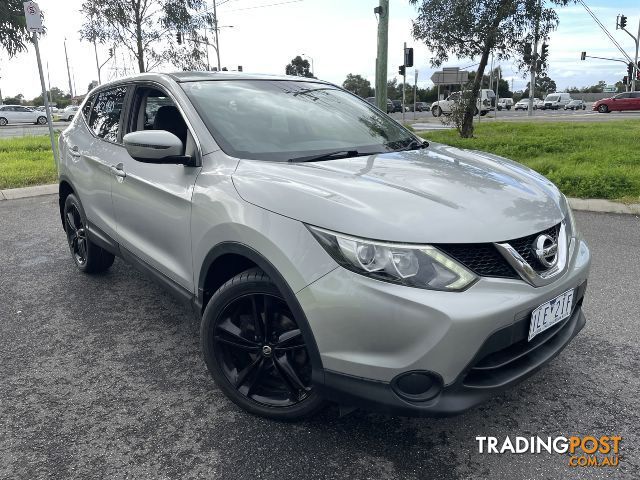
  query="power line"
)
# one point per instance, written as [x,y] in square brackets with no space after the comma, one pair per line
[263,6]
[604,29]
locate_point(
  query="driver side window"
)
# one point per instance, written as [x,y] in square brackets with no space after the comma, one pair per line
[153,109]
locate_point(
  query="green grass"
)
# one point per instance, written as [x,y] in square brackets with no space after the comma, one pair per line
[584,159]
[26,161]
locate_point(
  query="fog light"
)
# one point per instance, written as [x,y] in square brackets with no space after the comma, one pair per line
[417,386]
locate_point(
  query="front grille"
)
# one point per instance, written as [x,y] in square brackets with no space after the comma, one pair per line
[484,260]
[525,247]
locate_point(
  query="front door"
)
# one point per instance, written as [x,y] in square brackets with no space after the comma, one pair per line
[152,201]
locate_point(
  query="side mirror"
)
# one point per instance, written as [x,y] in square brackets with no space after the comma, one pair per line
[156,146]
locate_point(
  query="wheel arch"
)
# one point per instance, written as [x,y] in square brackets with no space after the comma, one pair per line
[65,188]
[232,258]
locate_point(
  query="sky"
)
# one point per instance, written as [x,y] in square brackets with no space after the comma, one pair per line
[339,35]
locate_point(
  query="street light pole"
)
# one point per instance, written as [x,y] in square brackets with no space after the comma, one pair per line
[381,59]
[68,71]
[215,26]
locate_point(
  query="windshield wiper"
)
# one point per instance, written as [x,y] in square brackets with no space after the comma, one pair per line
[328,156]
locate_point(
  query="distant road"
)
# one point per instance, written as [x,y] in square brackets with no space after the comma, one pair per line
[23,130]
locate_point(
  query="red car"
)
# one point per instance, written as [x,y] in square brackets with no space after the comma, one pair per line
[621,102]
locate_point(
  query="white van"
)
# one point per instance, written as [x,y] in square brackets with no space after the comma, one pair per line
[485,103]
[554,101]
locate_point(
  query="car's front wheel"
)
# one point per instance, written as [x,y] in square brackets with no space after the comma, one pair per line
[603,109]
[88,257]
[436,111]
[255,350]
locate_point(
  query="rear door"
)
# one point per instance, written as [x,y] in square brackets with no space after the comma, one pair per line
[94,145]
[634,101]
[152,201]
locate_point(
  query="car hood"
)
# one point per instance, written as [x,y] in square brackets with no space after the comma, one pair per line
[436,195]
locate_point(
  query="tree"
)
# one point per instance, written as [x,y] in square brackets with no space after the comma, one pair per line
[57,97]
[472,28]
[359,85]
[17,100]
[544,86]
[299,68]
[147,28]
[13,27]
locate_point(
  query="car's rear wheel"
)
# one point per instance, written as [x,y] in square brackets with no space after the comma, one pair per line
[3,122]
[41,120]
[436,111]
[88,257]
[255,350]
[70,118]
[603,109]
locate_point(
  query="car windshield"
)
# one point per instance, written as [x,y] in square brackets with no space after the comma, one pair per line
[280,120]
[552,98]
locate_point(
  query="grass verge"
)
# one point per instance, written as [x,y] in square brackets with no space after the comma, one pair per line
[584,159]
[26,161]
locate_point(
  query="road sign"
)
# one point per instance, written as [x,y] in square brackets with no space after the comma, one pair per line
[450,76]
[609,89]
[33,16]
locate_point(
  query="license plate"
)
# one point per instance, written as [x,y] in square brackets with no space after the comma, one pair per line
[550,313]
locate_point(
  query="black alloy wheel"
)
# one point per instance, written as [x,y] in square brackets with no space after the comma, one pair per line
[255,350]
[41,120]
[76,234]
[603,109]
[88,257]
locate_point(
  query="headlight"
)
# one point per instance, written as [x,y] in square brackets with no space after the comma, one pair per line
[421,266]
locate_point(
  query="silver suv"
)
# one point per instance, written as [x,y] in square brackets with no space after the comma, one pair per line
[331,254]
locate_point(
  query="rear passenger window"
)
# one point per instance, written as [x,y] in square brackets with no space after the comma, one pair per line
[86,110]
[106,112]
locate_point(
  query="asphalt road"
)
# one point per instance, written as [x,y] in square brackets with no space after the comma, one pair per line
[587,115]
[25,129]
[101,377]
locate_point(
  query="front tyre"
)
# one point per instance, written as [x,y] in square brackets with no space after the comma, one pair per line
[255,351]
[436,111]
[88,257]
[603,109]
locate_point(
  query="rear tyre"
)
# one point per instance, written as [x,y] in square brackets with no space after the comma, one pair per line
[88,257]
[436,111]
[255,351]
[41,120]
[3,122]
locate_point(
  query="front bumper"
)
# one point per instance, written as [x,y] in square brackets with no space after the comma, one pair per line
[370,333]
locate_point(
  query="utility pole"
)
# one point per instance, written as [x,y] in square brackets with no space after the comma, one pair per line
[68,70]
[381,60]
[534,61]
[415,93]
[215,26]
[95,49]
[404,77]
[622,23]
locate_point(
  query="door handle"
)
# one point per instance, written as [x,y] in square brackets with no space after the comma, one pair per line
[118,170]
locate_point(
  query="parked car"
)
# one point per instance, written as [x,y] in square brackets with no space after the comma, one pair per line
[423,107]
[68,113]
[523,105]
[372,101]
[575,105]
[20,114]
[330,253]
[555,101]
[618,103]
[485,103]
[397,106]
[505,103]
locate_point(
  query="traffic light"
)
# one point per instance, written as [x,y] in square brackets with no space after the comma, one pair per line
[239,68]
[583,56]
[111,52]
[179,38]
[408,57]
[630,69]
[625,80]
[623,21]
[402,70]
[544,53]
